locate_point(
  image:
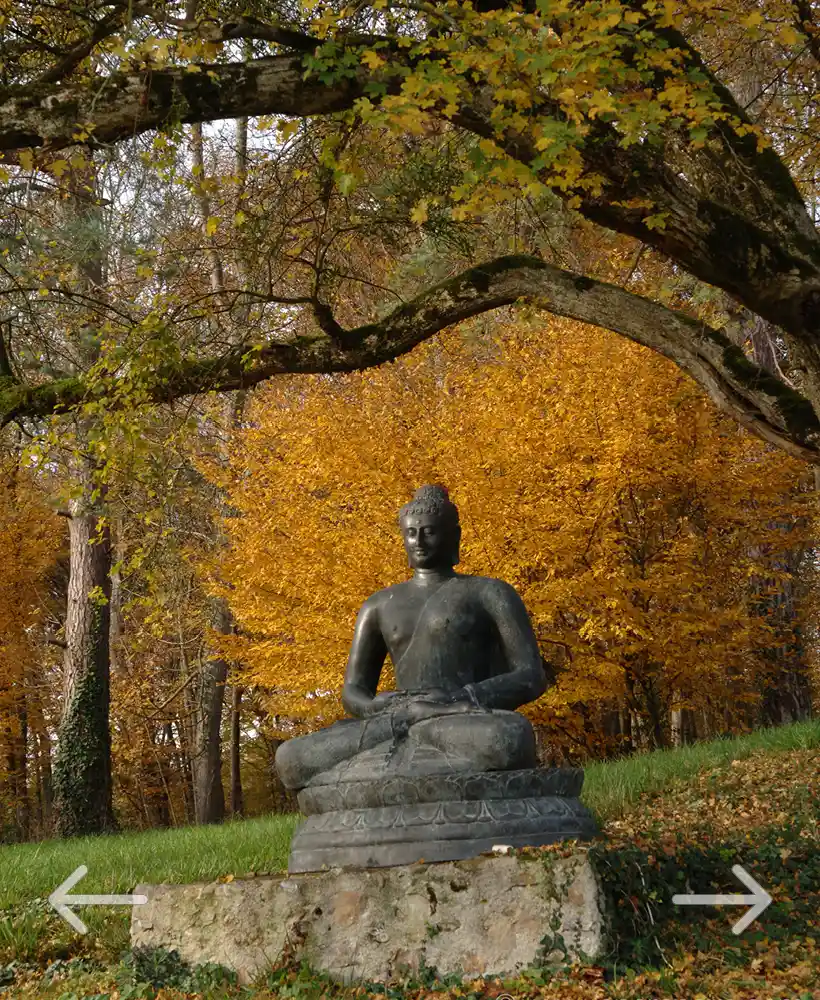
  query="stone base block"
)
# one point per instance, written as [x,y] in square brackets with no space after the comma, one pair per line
[488,916]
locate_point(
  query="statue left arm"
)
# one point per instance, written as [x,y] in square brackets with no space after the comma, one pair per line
[524,679]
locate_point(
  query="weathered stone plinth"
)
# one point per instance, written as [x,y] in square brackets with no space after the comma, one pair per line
[401,819]
[488,916]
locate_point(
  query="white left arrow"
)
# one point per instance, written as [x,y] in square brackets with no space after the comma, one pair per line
[60,899]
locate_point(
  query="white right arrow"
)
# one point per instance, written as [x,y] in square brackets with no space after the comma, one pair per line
[758,902]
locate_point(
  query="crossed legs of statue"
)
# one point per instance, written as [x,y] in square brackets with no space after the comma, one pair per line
[472,741]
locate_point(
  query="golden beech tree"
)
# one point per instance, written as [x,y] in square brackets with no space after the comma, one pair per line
[625,509]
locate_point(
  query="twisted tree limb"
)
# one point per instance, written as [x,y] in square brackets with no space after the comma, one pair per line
[754,397]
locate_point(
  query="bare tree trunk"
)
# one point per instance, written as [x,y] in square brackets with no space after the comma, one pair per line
[206,762]
[185,773]
[676,727]
[46,782]
[17,764]
[237,796]
[42,755]
[15,712]
[209,796]
[82,768]
[116,630]
[786,694]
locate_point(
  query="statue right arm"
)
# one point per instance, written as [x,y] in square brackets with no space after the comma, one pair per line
[364,664]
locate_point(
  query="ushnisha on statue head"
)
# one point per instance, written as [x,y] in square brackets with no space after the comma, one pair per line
[430,529]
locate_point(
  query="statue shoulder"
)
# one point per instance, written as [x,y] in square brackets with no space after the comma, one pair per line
[380,598]
[497,591]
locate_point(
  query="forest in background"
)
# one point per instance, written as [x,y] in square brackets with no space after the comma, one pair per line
[185,547]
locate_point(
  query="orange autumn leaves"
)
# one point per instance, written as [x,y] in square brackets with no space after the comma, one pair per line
[29,532]
[29,537]
[589,473]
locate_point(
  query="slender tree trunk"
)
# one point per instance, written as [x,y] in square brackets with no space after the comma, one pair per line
[209,796]
[158,805]
[17,765]
[82,767]
[116,628]
[237,797]
[676,727]
[786,695]
[186,774]
[15,698]
[42,751]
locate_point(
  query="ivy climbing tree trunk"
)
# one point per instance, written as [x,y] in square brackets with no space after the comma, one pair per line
[82,766]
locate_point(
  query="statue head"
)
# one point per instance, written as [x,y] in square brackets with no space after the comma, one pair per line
[430,529]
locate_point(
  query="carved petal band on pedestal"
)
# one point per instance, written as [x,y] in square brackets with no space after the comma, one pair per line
[435,831]
[404,790]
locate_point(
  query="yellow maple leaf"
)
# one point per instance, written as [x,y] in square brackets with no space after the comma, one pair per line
[419,212]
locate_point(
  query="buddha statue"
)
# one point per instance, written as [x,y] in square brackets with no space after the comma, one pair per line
[446,752]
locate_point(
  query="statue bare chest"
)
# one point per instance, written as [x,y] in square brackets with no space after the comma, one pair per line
[461,622]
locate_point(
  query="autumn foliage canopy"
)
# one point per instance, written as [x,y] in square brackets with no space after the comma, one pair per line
[629,514]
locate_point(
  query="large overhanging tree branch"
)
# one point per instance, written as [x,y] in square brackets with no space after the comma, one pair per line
[755,398]
[125,104]
[731,213]
[727,210]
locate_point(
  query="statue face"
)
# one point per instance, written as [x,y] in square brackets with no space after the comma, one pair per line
[429,542]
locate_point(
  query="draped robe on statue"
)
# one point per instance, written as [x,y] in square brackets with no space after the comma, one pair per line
[457,647]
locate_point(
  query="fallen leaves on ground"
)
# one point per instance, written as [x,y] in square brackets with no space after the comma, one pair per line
[760,812]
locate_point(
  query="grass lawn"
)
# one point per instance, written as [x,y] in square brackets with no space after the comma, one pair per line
[612,787]
[117,863]
[200,854]
[698,809]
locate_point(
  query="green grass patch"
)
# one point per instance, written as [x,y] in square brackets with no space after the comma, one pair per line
[612,787]
[116,863]
[674,821]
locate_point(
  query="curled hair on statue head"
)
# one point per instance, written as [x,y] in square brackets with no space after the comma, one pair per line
[433,500]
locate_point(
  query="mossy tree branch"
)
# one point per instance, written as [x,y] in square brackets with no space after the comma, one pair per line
[731,213]
[754,397]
